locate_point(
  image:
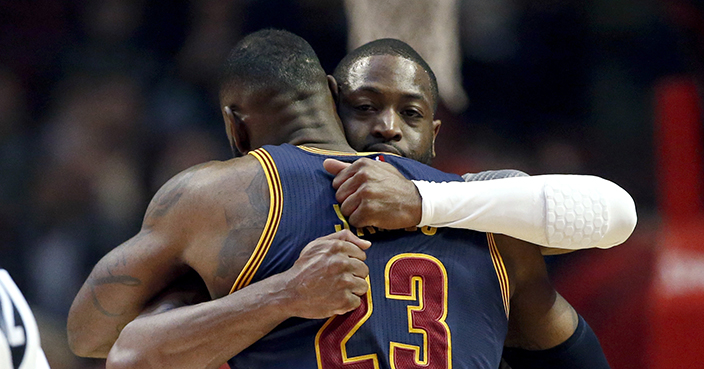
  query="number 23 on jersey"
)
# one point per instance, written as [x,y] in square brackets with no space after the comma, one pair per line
[416,278]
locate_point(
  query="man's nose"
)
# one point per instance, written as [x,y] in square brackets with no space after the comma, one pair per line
[388,126]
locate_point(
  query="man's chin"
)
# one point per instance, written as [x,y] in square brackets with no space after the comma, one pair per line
[425,158]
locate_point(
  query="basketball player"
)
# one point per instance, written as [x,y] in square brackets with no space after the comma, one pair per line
[20,347]
[190,195]
[387,96]
[387,101]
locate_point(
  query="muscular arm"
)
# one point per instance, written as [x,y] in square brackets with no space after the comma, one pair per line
[187,229]
[539,317]
[327,279]
[555,211]
[203,335]
[542,324]
[124,280]
[204,222]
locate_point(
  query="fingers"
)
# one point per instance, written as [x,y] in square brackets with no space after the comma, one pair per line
[334,166]
[350,185]
[349,205]
[354,248]
[353,302]
[347,235]
[351,181]
[330,275]
[353,176]
[358,213]
[349,170]
[358,218]
[360,286]
[359,268]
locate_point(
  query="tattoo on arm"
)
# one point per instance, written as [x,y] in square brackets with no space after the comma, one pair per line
[168,196]
[111,278]
[124,280]
[257,193]
[243,235]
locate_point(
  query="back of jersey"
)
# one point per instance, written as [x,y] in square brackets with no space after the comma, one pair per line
[438,297]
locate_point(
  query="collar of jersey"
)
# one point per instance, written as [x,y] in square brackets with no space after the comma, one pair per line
[315,150]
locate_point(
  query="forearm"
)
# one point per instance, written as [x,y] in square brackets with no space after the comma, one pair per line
[110,298]
[115,293]
[92,329]
[581,351]
[561,211]
[205,335]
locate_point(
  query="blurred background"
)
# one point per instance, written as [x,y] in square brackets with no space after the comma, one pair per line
[102,101]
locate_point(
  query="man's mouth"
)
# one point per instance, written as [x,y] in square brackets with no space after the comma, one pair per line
[383,147]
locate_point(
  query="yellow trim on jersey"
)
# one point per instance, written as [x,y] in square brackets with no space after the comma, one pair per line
[315,150]
[276,205]
[500,271]
[341,217]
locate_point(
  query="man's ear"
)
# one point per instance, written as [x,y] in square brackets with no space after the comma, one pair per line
[229,118]
[334,88]
[237,132]
[436,129]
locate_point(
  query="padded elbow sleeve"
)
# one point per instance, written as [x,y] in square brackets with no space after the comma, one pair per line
[561,211]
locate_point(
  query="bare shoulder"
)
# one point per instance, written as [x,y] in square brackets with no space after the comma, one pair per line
[215,212]
[200,187]
[187,230]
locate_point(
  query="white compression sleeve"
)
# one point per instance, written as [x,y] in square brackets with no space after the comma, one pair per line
[561,211]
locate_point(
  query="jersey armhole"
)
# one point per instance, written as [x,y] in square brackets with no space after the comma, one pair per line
[276,205]
[501,273]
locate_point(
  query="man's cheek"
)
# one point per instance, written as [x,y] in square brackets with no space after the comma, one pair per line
[356,137]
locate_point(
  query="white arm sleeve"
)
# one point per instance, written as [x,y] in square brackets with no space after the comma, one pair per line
[561,211]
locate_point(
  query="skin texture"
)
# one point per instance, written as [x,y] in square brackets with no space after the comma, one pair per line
[386,105]
[207,220]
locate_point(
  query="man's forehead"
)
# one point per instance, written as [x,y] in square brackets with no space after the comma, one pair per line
[389,70]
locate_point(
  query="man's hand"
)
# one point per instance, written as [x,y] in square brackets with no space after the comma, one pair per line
[374,193]
[329,276]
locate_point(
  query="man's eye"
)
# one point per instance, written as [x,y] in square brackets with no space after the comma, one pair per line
[364,107]
[412,113]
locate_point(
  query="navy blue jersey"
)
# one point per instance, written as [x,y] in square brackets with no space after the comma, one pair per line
[438,298]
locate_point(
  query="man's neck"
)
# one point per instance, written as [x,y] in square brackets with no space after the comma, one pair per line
[321,138]
[310,121]
[320,128]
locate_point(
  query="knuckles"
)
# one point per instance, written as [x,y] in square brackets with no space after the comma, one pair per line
[363,175]
[365,190]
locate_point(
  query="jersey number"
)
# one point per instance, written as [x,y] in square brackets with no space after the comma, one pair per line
[14,333]
[413,277]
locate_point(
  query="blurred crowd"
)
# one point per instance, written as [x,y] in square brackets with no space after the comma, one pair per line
[102,101]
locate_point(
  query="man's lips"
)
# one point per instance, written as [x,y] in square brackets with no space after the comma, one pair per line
[382,147]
